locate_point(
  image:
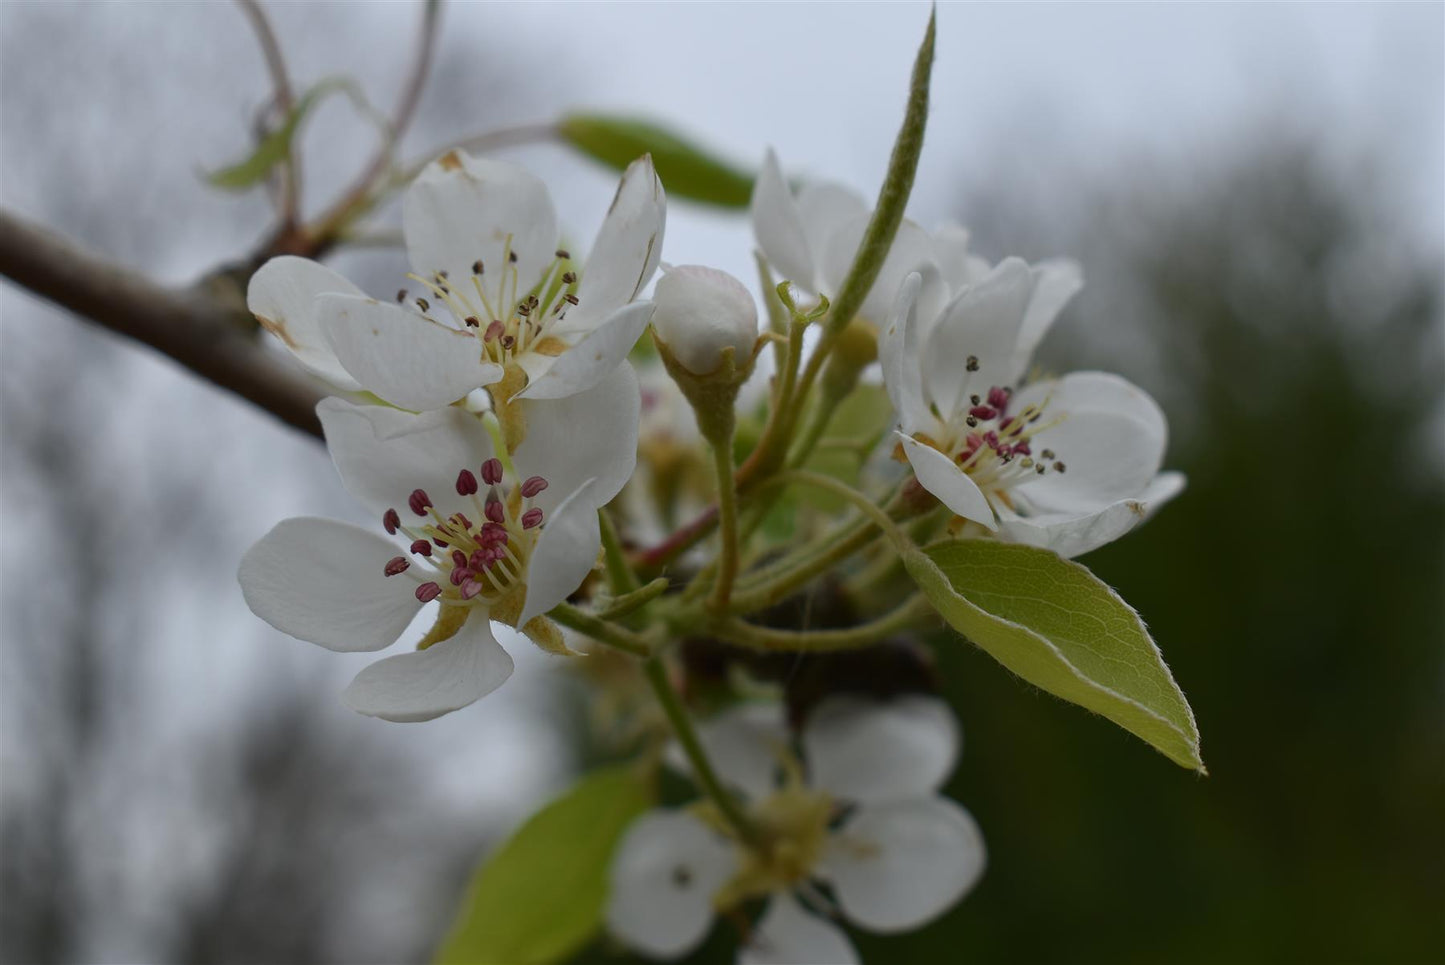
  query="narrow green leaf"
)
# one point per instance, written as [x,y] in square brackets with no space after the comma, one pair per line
[540,896]
[686,170]
[893,196]
[274,147]
[1059,627]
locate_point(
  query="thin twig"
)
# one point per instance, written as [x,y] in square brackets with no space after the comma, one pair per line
[190,325]
[285,101]
[356,196]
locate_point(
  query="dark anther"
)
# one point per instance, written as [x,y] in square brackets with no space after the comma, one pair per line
[397,564]
[972,364]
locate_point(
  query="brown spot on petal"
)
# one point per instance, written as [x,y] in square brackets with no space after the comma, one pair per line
[450,161]
[1137,508]
[279,330]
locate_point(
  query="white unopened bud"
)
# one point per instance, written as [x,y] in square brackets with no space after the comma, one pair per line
[702,311]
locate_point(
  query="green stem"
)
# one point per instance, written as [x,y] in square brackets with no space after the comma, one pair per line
[903,617]
[870,509]
[692,747]
[620,576]
[622,605]
[727,506]
[600,630]
[777,582]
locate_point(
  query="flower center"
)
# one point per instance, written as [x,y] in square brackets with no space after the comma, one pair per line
[466,562]
[996,446]
[793,827]
[509,322]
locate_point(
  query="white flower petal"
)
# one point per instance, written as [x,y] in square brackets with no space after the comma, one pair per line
[1072,535]
[1055,282]
[981,322]
[1109,434]
[871,751]
[462,209]
[789,935]
[955,263]
[565,553]
[778,227]
[383,454]
[628,246]
[824,207]
[591,358]
[665,871]
[402,357]
[425,684]
[944,478]
[591,435]
[323,581]
[282,296]
[895,866]
[898,355]
[745,744]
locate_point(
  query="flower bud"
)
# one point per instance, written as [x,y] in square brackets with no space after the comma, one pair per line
[700,313]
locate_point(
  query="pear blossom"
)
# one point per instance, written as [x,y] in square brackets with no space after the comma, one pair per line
[1067,464]
[484,534]
[860,816]
[492,299]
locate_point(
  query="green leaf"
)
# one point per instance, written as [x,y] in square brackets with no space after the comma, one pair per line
[1061,628]
[539,898]
[686,170]
[276,146]
[893,196]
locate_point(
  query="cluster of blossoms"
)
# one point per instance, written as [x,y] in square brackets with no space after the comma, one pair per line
[489,418]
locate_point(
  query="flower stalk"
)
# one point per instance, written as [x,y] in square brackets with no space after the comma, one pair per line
[707,779]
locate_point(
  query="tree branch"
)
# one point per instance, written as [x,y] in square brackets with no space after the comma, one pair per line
[192,326]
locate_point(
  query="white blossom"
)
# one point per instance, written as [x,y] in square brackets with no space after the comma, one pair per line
[491,298]
[1068,464]
[859,817]
[484,534]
